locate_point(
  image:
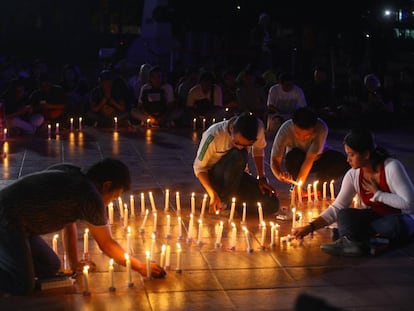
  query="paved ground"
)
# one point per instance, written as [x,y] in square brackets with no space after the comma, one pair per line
[212,278]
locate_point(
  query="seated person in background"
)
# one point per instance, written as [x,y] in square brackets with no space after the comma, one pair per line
[221,162]
[387,199]
[156,101]
[283,99]
[19,113]
[106,103]
[50,100]
[28,209]
[301,144]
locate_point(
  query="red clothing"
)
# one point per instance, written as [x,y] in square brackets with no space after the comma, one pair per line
[378,207]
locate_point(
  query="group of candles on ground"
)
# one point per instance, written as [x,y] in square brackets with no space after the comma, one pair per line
[127,216]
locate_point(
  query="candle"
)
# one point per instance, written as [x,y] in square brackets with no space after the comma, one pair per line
[168,229]
[249,248]
[213,120]
[86,281]
[204,124]
[132,205]
[154,228]
[71,124]
[293,218]
[86,242]
[142,228]
[128,270]
[128,240]
[167,200]
[272,234]
[190,227]
[233,236]
[115,123]
[233,207]
[244,213]
[167,257]
[292,197]
[219,235]
[309,193]
[355,201]
[315,190]
[332,189]
[120,207]
[299,215]
[80,123]
[178,269]
[54,243]
[194,124]
[142,204]
[152,202]
[260,212]
[203,206]
[200,229]
[148,264]
[162,256]
[310,216]
[263,237]
[111,275]
[125,216]
[324,190]
[111,213]
[180,228]
[178,202]
[49,130]
[148,122]
[300,192]
[57,129]
[193,203]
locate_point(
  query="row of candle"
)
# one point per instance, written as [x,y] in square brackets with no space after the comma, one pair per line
[312,189]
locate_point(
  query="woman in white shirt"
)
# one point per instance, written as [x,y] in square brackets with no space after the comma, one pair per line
[387,199]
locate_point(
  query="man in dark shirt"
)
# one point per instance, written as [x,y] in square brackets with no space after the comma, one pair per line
[51,200]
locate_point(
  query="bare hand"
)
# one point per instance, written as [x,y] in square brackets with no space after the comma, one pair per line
[157,271]
[301,232]
[370,185]
[215,204]
[285,177]
[265,187]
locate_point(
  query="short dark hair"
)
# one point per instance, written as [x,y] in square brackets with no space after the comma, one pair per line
[305,118]
[247,125]
[110,169]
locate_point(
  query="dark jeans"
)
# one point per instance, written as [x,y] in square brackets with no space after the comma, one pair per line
[229,179]
[361,224]
[330,165]
[22,258]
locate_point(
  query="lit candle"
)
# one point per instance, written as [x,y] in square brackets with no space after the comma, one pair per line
[233,236]
[193,203]
[115,123]
[148,264]
[120,207]
[168,228]
[54,243]
[178,269]
[111,213]
[194,124]
[331,186]
[219,235]
[151,197]
[249,248]
[142,228]
[203,206]
[272,234]
[309,193]
[324,190]
[180,228]
[310,216]
[299,215]
[204,124]
[167,200]
[263,237]
[315,190]
[355,201]
[213,120]
[200,230]
[111,275]
[142,204]
[233,207]
[190,228]
[132,205]
[80,123]
[86,281]
[162,256]
[154,228]
[128,240]
[260,212]
[86,243]
[178,202]
[71,124]
[244,213]
[148,122]
[167,257]
[293,218]
[300,192]
[128,270]
[57,129]
[125,216]
[49,130]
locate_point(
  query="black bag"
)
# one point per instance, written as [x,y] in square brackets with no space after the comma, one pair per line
[154,102]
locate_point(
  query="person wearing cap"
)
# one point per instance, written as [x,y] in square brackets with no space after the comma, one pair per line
[386,196]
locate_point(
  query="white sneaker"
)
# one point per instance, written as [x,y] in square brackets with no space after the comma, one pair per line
[344,247]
